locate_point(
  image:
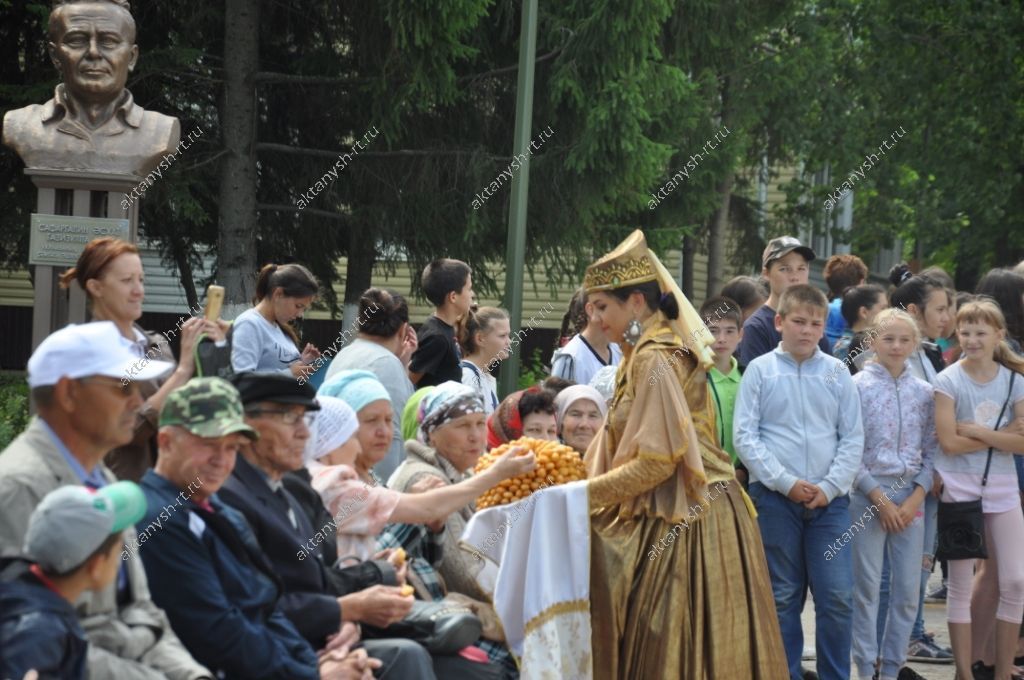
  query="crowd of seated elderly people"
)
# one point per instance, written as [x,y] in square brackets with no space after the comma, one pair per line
[253,538]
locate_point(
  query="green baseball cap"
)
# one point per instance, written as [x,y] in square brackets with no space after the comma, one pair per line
[71,522]
[207,407]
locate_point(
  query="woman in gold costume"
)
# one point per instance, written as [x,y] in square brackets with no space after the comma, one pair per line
[679,583]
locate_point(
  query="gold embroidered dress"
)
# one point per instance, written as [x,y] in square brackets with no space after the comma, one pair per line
[678,580]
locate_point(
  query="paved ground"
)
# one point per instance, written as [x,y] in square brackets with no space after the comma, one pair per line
[934,621]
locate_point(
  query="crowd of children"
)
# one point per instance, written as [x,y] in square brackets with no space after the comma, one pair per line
[921,409]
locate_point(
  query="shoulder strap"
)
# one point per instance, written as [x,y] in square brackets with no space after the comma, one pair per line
[999,420]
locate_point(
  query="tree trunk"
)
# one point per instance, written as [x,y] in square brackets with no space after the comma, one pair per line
[236,240]
[716,238]
[689,249]
[359,272]
[185,272]
[719,226]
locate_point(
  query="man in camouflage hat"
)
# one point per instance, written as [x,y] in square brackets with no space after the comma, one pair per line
[205,566]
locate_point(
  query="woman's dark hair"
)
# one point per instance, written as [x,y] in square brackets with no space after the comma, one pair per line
[576,316]
[653,296]
[536,400]
[910,289]
[554,384]
[478,320]
[859,296]
[1007,289]
[294,280]
[382,313]
[940,276]
[746,291]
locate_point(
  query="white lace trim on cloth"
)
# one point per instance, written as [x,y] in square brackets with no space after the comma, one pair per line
[558,644]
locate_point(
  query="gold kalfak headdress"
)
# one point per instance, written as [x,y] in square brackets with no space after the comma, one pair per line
[627,265]
[632,263]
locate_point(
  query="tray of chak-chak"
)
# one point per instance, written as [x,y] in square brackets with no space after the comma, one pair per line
[556,464]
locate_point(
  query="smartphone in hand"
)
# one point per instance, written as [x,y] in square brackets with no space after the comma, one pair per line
[214,302]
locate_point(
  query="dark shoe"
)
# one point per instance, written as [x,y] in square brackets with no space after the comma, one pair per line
[982,672]
[908,673]
[936,595]
[926,651]
[809,675]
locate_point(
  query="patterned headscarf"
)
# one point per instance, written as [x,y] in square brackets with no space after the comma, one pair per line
[448,401]
[505,424]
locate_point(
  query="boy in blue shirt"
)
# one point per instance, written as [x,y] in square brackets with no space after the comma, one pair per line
[74,543]
[797,428]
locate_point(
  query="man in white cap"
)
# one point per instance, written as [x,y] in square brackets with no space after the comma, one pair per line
[85,408]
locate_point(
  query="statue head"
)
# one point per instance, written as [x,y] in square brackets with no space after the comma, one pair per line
[92,44]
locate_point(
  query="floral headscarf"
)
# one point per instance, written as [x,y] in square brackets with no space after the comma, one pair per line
[505,424]
[448,401]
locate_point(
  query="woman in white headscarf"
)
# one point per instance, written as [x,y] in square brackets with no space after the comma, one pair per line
[579,414]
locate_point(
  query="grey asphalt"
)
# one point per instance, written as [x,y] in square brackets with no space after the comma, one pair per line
[934,622]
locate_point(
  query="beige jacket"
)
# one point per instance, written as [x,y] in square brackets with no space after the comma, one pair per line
[131,642]
[459,567]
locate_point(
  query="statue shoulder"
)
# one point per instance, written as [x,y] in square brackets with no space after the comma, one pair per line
[163,128]
[17,122]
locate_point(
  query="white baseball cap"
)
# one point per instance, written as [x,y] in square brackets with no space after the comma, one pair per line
[79,350]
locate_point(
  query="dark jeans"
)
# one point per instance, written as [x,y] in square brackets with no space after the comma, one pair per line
[796,541]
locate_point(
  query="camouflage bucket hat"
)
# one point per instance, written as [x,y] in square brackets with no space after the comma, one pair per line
[206,407]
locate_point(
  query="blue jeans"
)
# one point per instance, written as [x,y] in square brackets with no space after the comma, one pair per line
[902,551]
[795,543]
[931,527]
[931,511]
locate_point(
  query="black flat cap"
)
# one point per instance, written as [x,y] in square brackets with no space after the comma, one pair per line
[276,387]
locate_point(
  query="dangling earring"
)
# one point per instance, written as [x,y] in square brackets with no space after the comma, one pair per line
[633,333]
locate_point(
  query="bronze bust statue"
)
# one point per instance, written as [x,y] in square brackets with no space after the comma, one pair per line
[92,123]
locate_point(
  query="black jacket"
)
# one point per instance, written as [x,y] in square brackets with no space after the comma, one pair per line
[307,600]
[38,628]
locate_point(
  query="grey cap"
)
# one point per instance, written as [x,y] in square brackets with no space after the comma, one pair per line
[73,521]
[782,246]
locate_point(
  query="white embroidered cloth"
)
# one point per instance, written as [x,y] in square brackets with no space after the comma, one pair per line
[537,570]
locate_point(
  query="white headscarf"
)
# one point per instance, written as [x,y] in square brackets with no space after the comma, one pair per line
[335,424]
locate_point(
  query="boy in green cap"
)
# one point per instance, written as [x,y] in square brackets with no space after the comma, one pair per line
[74,542]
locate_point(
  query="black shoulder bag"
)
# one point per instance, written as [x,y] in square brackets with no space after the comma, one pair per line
[212,359]
[961,526]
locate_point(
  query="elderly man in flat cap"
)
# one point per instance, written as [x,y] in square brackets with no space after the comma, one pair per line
[316,600]
[205,566]
[86,406]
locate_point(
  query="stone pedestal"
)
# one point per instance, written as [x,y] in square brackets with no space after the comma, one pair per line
[80,194]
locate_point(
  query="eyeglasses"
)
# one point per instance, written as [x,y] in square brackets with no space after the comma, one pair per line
[125,387]
[287,417]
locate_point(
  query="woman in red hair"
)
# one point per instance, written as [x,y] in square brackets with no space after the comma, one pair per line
[110,272]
